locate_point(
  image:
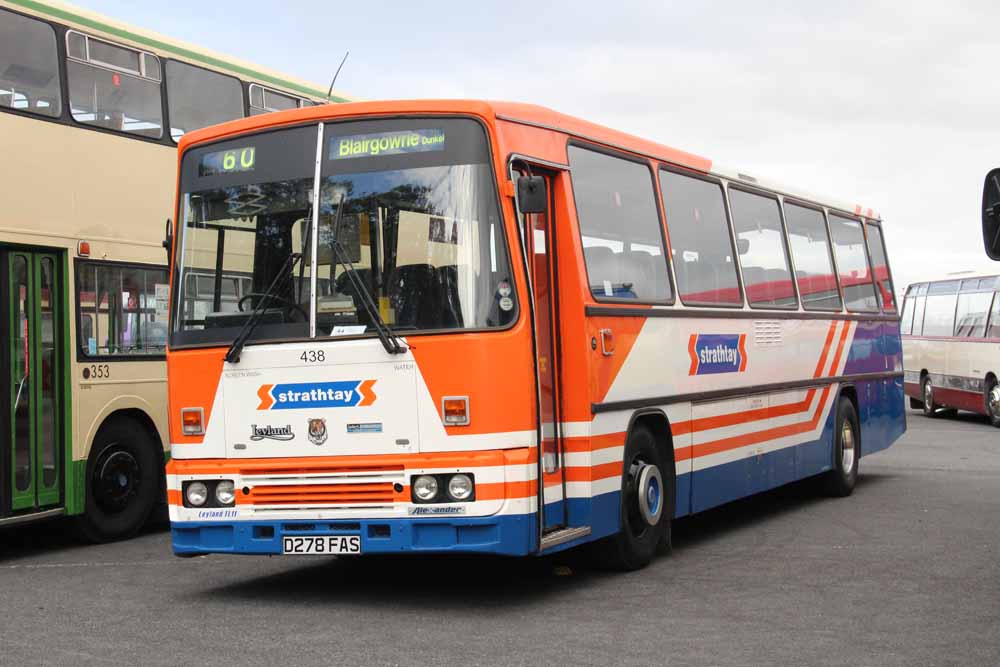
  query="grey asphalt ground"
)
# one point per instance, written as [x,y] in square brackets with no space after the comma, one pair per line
[904,572]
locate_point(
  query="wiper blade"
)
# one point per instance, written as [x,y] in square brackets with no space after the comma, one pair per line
[385,335]
[233,354]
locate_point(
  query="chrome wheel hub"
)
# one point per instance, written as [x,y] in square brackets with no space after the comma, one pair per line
[993,401]
[928,396]
[847,447]
[650,494]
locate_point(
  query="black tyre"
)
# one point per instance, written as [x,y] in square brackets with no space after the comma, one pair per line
[927,392]
[841,479]
[991,399]
[124,478]
[647,506]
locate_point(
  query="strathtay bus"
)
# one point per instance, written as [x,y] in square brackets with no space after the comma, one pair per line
[491,327]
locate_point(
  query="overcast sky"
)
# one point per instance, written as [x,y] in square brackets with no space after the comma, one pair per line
[888,104]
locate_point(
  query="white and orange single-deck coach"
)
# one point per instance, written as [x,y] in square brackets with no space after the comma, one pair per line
[449,302]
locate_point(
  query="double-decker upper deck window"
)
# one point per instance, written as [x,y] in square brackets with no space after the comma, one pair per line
[29,65]
[852,263]
[113,87]
[199,97]
[812,257]
[265,100]
[760,242]
[701,248]
[880,265]
[620,226]
[122,309]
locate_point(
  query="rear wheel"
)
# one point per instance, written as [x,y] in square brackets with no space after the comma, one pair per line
[123,481]
[646,507]
[846,450]
[992,399]
[927,391]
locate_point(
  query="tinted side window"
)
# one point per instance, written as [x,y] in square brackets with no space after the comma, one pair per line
[810,244]
[919,305]
[114,88]
[852,263]
[880,265]
[701,248]
[265,100]
[939,315]
[620,226]
[29,65]
[993,331]
[198,98]
[122,309]
[906,320]
[973,310]
[760,242]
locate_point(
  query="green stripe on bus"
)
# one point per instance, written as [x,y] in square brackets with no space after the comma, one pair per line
[163,46]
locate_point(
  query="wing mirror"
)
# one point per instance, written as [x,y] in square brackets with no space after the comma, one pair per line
[531,195]
[991,214]
[168,240]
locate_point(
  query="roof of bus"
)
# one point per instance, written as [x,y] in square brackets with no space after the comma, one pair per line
[528,114]
[103,26]
[956,275]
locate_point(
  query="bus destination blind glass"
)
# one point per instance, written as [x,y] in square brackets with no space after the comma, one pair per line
[227,162]
[386,143]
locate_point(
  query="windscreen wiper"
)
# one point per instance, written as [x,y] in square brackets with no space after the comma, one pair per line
[233,355]
[385,335]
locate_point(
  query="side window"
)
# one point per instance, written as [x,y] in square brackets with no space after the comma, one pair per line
[620,227]
[265,100]
[810,244]
[852,263]
[973,311]
[122,309]
[113,87]
[880,266]
[199,97]
[993,331]
[906,320]
[919,305]
[29,65]
[939,313]
[701,248]
[760,243]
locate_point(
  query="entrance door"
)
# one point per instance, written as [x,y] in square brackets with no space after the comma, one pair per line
[31,358]
[539,237]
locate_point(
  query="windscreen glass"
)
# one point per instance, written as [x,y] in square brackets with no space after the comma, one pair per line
[409,232]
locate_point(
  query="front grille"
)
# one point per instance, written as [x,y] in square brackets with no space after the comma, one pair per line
[295,487]
[311,495]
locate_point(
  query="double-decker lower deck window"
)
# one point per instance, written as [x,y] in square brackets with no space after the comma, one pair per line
[122,310]
[760,242]
[620,226]
[852,263]
[701,248]
[29,65]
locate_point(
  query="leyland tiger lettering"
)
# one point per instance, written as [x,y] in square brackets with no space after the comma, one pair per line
[490,327]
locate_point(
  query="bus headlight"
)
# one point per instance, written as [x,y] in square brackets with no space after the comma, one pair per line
[460,487]
[225,492]
[196,494]
[425,488]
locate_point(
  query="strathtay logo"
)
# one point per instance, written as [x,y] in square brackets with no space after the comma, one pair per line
[717,353]
[310,395]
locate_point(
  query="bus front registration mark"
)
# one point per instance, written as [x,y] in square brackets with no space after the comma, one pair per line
[321,545]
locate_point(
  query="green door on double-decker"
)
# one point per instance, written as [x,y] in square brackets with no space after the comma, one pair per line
[33,364]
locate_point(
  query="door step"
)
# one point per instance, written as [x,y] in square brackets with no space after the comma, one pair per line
[562,536]
[34,516]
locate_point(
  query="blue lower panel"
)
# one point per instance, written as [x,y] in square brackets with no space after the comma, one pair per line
[509,535]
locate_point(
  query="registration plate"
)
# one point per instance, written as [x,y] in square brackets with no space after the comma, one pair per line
[322,544]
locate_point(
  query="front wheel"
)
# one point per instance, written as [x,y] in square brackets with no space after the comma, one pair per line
[927,391]
[646,507]
[846,450]
[992,399]
[123,482]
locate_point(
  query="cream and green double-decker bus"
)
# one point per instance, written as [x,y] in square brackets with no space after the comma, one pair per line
[90,113]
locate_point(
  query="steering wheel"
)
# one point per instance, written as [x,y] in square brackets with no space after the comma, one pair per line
[289,304]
